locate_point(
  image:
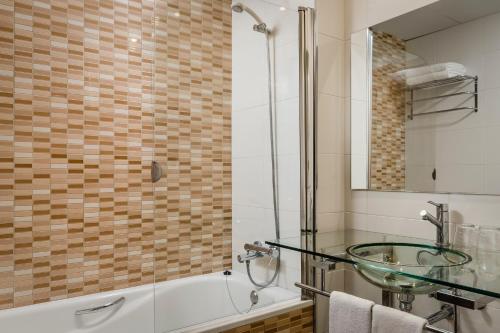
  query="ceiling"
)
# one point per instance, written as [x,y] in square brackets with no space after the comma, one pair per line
[440,15]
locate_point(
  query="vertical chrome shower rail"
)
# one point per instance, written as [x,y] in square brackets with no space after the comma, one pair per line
[308,104]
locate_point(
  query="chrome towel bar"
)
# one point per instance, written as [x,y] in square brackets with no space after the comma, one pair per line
[100,307]
[428,327]
[439,83]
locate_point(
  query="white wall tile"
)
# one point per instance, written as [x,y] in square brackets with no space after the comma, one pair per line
[330,124]
[252,182]
[287,116]
[347,126]
[286,71]
[382,10]
[289,182]
[484,321]
[331,61]
[253,214]
[250,133]
[327,222]
[475,209]
[331,19]
[391,225]
[356,285]
[330,193]
[491,70]
[356,16]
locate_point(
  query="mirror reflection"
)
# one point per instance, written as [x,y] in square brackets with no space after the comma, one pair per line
[425,99]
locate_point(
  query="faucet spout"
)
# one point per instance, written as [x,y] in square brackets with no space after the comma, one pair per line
[429,217]
[441,221]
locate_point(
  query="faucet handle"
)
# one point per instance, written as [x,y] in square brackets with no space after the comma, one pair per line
[442,206]
[435,203]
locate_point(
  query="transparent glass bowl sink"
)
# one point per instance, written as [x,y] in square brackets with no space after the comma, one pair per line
[385,265]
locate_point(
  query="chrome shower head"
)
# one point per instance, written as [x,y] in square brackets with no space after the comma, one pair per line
[260,26]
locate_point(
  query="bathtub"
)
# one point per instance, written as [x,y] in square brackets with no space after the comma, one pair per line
[206,303]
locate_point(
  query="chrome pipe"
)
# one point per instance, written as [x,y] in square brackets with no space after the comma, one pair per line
[441,96]
[445,313]
[307,124]
[312,289]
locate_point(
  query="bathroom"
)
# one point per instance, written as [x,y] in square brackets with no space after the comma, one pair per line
[228,166]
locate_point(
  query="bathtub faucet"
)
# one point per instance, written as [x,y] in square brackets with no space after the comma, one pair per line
[257,250]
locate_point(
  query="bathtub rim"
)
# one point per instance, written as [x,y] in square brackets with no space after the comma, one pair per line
[227,323]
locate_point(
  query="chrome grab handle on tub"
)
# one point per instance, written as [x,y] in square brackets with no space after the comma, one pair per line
[100,307]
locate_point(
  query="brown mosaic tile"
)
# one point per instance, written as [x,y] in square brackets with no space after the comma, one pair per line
[90,93]
[387,150]
[296,321]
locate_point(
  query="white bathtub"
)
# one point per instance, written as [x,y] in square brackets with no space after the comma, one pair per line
[195,304]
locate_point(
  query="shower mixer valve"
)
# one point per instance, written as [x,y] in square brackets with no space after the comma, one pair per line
[257,250]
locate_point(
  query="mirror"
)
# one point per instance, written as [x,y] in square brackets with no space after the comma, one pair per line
[425,101]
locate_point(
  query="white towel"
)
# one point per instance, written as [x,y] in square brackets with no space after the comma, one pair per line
[349,314]
[411,81]
[388,320]
[435,68]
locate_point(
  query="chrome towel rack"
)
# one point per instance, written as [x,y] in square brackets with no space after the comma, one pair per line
[441,83]
[444,313]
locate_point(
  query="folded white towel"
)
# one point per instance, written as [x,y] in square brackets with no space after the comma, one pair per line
[441,67]
[349,314]
[412,81]
[388,320]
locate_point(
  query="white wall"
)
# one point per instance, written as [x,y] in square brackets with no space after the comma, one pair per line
[461,145]
[331,130]
[398,212]
[252,188]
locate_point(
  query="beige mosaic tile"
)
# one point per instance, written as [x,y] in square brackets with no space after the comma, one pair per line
[296,321]
[387,145]
[90,93]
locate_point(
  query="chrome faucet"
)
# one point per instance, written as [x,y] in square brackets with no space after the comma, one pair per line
[258,250]
[441,221]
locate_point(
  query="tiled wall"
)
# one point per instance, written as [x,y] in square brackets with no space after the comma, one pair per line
[253,216]
[387,143]
[192,134]
[91,91]
[332,53]
[397,213]
[296,321]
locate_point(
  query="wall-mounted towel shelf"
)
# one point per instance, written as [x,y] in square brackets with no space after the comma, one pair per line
[441,83]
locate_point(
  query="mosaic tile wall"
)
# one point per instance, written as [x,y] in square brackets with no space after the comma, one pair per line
[193,137]
[387,150]
[90,92]
[297,321]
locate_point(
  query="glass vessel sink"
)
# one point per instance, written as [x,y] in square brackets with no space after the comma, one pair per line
[384,264]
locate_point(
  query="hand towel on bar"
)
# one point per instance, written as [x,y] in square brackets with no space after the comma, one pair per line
[349,314]
[389,320]
[435,68]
